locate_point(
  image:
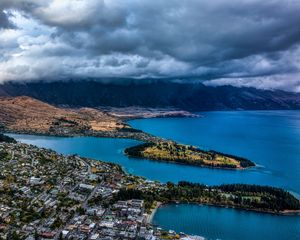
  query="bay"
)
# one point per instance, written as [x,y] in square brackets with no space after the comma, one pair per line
[269,138]
[227,224]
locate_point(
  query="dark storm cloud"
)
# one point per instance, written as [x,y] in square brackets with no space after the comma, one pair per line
[4,22]
[235,42]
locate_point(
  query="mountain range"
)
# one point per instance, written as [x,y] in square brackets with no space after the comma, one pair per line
[157,94]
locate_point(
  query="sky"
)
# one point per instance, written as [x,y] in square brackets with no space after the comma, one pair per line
[238,42]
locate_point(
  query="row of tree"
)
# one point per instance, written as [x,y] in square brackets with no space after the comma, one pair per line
[233,195]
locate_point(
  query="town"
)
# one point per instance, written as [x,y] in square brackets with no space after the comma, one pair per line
[45,195]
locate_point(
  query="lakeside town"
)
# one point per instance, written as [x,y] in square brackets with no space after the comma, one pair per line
[45,195]
[149,120]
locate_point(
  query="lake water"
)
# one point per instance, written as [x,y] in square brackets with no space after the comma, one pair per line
[269,138]
[226,223]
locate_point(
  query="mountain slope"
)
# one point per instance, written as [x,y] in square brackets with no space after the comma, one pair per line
[25,114]
[194,97]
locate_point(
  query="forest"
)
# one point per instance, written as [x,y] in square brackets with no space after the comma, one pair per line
[250,197]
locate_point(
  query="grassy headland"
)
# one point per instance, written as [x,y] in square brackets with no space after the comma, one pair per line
[170,151]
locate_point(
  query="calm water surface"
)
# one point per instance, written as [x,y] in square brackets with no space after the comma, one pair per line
[226,223]
[269,138]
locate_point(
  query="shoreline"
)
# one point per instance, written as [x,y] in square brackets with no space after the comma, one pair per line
[286,212]
[238,163]
[194,165]
[133,113]
[138,135]
[281,213]
[151,215]
[133,135]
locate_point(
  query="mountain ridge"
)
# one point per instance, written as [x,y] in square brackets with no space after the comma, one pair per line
[159,94]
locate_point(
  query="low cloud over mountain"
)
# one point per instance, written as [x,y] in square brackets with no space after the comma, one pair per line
[242,43]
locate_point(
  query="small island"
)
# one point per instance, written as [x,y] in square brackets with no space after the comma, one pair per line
[170,151]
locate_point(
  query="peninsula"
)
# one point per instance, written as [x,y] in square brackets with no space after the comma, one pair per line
[170,151]
[30,116]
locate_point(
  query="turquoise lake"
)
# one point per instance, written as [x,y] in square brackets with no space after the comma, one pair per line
[227,224]
[269,138]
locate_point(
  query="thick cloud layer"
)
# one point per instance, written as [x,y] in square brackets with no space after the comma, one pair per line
[252,43]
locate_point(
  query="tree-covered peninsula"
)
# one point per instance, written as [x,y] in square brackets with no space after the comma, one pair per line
[171,151]
[251,197]
[5,138]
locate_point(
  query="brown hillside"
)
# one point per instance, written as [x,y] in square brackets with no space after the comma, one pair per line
[25,114]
